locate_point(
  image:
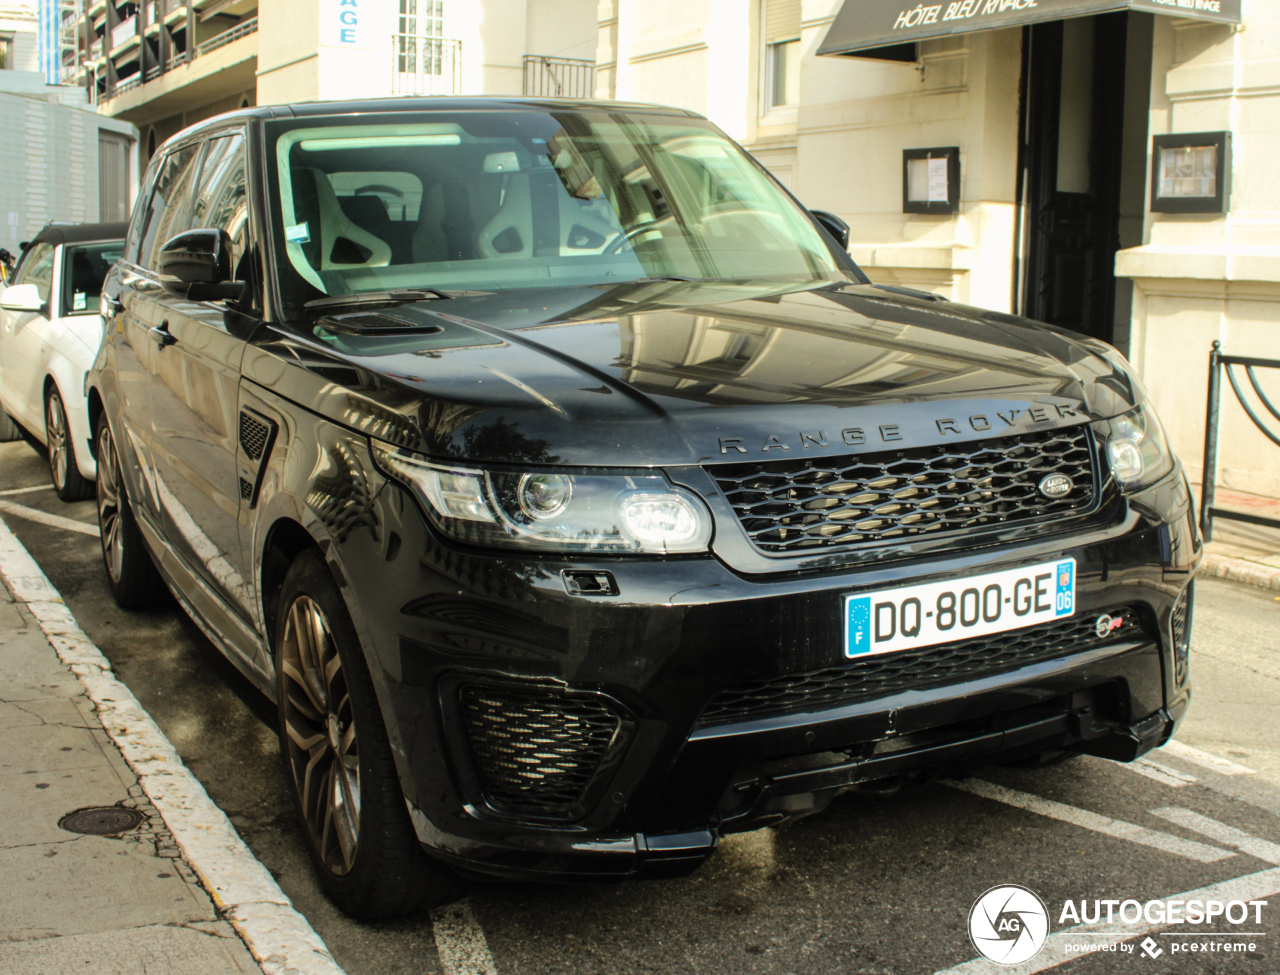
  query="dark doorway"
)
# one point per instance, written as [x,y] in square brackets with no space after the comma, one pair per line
[1072,171]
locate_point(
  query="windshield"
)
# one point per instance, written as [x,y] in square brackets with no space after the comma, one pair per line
[492,200]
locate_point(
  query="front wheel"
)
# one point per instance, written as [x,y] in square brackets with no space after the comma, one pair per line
[63,469]
[132,576]
[338,759]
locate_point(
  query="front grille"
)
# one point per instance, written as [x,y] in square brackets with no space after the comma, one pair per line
[800,505]
[889,673]
[537,750]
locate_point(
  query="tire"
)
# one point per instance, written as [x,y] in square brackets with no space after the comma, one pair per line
[61,447]
[8,429]
[337,758]
[131,574]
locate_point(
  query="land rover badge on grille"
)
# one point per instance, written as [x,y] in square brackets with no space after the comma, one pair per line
[1055,486]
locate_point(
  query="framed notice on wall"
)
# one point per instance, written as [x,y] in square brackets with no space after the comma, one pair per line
[931,180]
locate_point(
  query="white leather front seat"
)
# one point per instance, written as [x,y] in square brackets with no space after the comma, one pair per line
[343,244]
[511,232]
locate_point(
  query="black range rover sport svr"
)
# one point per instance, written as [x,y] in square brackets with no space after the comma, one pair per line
[578,500]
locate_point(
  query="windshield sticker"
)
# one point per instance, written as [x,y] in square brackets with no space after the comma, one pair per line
[299,233]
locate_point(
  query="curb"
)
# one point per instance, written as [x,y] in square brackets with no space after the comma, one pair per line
[280,939]
[1240,570]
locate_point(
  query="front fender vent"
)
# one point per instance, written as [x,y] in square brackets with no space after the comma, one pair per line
[257,435]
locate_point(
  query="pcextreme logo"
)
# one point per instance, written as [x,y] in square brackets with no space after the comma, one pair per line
[1009,925]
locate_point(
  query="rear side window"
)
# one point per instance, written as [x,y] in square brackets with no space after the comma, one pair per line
[82,275]
[37,269]
[169,209]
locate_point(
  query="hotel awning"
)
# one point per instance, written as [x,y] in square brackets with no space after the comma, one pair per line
[864,25]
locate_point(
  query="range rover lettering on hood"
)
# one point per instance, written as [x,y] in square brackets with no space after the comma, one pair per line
[997,422]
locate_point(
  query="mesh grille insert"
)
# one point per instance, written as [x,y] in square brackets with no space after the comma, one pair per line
[536,750]
[934,666]
[253,436]
[799,505]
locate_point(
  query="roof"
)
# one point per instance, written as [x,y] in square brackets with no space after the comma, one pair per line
[431,103]
[79,233]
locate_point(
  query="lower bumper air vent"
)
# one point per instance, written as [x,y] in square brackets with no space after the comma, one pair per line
[537,751]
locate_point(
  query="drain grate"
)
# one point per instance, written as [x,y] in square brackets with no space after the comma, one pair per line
[101,820]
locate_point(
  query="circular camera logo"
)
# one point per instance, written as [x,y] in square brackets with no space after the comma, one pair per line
[1008,925]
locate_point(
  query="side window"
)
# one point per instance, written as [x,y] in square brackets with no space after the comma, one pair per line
[223,202]
[37,269]
[170,206]
[83,270]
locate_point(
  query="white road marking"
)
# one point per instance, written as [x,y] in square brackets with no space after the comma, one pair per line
[1212,762]
[1264,850]
[1200,852]
[461,941]
[1161,773]
[282,941]
[1254,886]
[45,518]
[27,490]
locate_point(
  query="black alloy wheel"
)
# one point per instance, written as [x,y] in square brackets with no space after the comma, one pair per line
[67,481]
[337,757]
[131,575]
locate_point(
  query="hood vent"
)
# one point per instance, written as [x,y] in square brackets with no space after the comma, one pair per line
[375,323]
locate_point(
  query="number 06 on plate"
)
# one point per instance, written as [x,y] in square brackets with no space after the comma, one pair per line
[911,617]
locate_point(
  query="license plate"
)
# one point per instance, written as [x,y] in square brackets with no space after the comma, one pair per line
[911,617]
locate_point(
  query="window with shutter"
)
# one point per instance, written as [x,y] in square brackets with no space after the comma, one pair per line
[782,53]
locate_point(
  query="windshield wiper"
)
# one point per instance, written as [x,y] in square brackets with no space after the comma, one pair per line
[398,295]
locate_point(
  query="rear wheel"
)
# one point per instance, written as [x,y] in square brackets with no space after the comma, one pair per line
[338,759]
[132,576]
[67,482]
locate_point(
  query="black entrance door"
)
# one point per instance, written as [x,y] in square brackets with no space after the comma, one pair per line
[1072,126]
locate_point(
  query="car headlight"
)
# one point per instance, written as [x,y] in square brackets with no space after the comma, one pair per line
[1137,450]
[640,512]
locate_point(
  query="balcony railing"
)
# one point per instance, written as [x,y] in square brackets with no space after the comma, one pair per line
[242,29]
[547,77]
[177,58]
[425,65]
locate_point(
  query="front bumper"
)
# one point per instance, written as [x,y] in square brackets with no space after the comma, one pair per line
[656,643]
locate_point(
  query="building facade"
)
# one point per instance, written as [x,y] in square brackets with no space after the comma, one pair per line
[59,159]
[166,64]
[1106,160]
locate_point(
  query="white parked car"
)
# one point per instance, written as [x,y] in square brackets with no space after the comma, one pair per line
[50,330]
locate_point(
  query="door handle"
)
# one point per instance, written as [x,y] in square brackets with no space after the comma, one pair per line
[164,338]
[112,306]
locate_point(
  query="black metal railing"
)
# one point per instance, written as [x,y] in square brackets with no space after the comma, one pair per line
[1218,364]
[548,77]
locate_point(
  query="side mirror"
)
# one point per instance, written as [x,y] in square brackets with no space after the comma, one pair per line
[200,258]
[22,297]
[833,225]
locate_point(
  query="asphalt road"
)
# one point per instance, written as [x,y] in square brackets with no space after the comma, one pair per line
[870,886]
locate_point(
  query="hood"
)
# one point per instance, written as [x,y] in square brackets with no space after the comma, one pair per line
[671,374]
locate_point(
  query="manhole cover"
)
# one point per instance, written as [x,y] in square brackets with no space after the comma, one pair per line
[101,820]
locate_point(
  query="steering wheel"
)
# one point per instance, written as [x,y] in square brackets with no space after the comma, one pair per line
[626,236]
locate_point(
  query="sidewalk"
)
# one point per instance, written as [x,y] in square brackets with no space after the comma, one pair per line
[1243,552]
[156,880]
[121,903]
